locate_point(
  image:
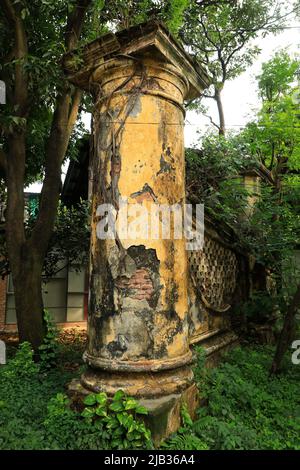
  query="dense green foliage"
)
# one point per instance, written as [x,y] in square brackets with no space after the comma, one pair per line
[246,408]
[265,217]
[48,350]
[35,412]
[218,165]
[24,395]
[69,242]
[215,177]
[117,420]
[260,206]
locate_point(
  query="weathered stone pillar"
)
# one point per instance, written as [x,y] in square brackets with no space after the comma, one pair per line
[138,306]
[252,184]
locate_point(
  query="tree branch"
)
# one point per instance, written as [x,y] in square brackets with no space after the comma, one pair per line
[273,157]
[20,52]
[76,100]
[267,174]
[208,96]
[287,332]
[211,120]
[21,78]
[64,118]
[9,11]
[206,32]
[15,163]
[235,51]
[75,23]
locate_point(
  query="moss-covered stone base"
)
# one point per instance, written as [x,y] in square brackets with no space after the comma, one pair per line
[164,417]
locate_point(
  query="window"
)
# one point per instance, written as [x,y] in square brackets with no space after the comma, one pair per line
[76,295]
[64,296]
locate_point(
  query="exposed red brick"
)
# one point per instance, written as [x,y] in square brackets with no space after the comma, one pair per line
[140,283]
[144,197]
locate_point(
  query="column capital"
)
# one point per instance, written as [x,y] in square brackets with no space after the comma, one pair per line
[150,39]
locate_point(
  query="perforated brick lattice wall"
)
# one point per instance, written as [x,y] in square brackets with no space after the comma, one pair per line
[214,272]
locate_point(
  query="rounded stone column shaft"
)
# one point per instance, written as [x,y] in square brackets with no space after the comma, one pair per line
[138,306]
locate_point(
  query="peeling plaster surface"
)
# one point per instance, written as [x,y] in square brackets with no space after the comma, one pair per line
[138,326]
[138,301]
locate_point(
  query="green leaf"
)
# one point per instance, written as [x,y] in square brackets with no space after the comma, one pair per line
[141,410]
[112,423]
[101,398]
[130,404]
[118,432]
[101,411]
[90,400]
[118,395]
[88,413]
[118,406]
[116,444]
[122,418]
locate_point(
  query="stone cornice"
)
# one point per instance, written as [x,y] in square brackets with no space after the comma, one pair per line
[151,37]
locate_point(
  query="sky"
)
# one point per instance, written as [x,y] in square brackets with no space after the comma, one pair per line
[239,95]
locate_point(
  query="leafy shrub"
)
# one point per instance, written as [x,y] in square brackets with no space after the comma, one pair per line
[185,438]
[24,395]
[20,402]
[213,175]
[21,366]
[246,408]
[48,351]
[120,419]
[260,307]
[35,414]
[101,425]
[66,430]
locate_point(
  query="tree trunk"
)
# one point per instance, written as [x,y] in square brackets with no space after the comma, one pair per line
[286,335]
[29,302]
[220,111]
[26,255]
[24,259]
